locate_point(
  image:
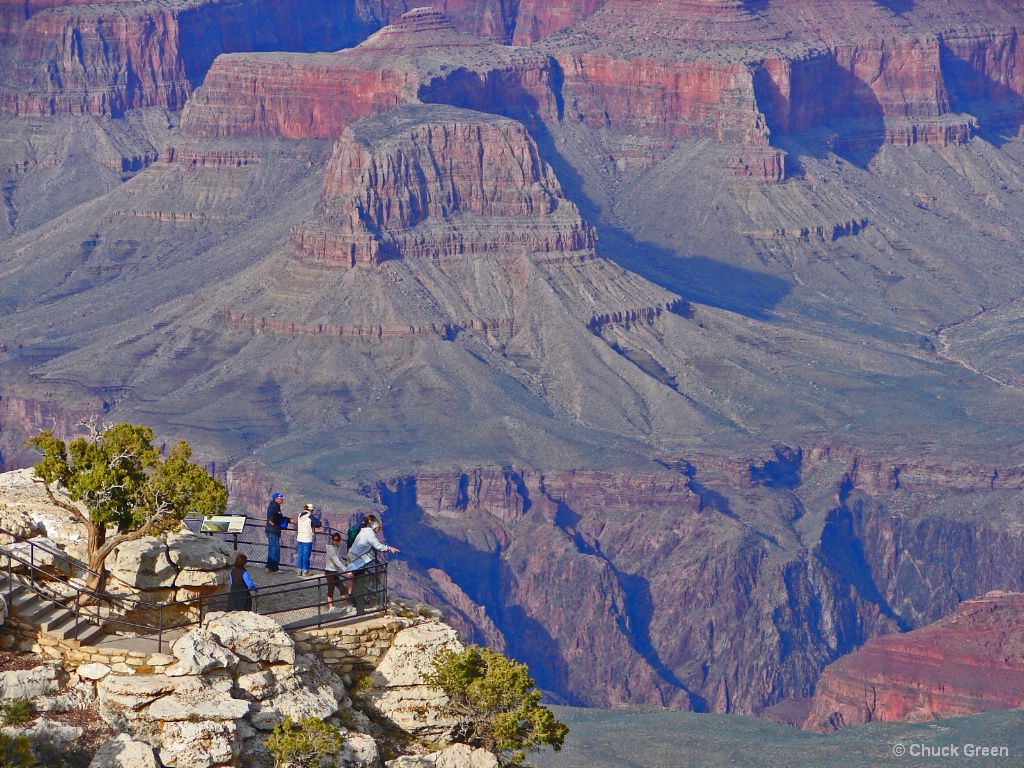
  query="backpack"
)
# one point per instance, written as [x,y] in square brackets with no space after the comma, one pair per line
[315,521]
[353,531]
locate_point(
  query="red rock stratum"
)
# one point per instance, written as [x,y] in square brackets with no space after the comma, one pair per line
[969,662]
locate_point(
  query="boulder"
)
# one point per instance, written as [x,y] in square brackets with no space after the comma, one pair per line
[399,692]
[359,751]
[455,756]
[75,699]
[199,652]
[198,552]
[200,744]
[123,699]
[36,552]
[123,752]
[207,705]
[195,579]
[142,564]
[93,671]
[251,637]
[48,731]
[312,691]
[29,683]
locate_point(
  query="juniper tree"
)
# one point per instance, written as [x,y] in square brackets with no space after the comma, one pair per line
[127,489]
[496,703]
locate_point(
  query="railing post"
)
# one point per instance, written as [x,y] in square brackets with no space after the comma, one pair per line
[160,629]
[78,598]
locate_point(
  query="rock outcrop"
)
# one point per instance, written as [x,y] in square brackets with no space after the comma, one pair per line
[969,662]
[182,567]
[399,692]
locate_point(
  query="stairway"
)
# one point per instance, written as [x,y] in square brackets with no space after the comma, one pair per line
[49,617]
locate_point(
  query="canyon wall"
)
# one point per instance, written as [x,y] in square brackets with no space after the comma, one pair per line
[420,58]
[707,587]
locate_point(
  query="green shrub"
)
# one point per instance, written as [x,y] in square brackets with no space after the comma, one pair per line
[17,712]
[15,751]
[304,744]
[497,703]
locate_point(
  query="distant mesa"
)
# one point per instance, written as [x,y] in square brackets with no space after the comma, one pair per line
[969,662]
[440,182]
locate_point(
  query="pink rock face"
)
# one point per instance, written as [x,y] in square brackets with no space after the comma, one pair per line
[970,662]
[105,59]
[437,182]
[539,18]
[420,58]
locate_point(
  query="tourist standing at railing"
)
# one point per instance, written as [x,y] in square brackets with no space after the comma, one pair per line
[240,598]
[362,552]
[334,566]
[273,530]
[304,539]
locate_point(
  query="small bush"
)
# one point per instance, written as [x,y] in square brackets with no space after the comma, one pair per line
[17,712]
[362,685]
[304,744]
[15,751]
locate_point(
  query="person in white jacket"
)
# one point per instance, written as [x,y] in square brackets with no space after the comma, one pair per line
[304,539]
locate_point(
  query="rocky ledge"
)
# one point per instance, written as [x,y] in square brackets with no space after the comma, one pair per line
[969,662]
[229,683]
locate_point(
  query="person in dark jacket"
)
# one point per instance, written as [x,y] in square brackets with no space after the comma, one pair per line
[240,598]
[274,518]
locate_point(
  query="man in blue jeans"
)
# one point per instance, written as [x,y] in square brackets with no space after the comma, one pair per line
[274,518]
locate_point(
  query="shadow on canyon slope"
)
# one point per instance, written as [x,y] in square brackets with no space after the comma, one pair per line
[998,107]
[899,7]
[695,278]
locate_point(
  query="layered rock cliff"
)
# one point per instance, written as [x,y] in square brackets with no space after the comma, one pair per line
[106,59]
[421,58]
[969,662]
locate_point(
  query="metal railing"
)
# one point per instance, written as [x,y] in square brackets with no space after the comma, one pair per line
[294,604]
[252,540]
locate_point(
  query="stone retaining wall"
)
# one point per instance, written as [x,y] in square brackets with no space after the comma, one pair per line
[354,648]
[347,650]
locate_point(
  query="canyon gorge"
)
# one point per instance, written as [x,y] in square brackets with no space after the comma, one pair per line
[675,341]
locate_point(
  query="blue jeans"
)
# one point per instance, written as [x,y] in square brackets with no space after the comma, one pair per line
[303,551]
[273,550]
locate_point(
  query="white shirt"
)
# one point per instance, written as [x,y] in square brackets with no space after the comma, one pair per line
[304,528]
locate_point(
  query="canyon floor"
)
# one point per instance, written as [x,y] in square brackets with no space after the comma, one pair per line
[676,347]
[659,740]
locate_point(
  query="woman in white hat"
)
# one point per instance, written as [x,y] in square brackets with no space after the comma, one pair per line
[304,539]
